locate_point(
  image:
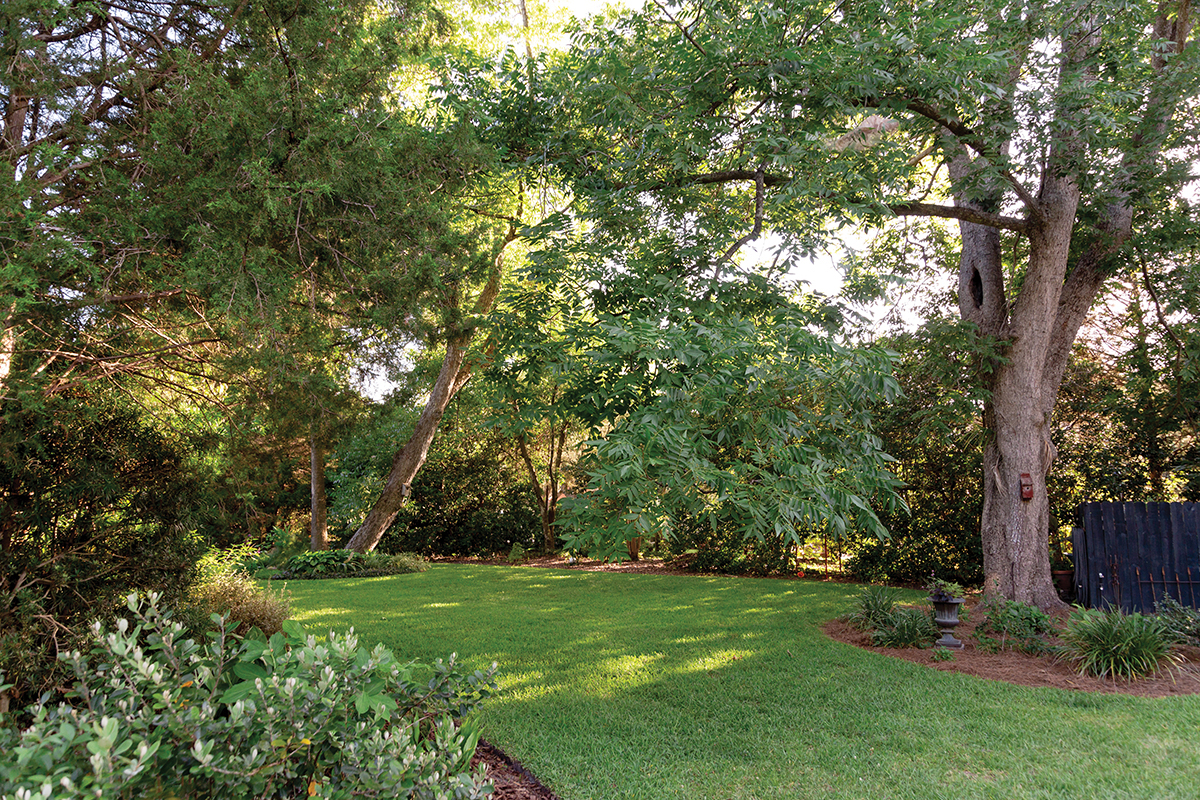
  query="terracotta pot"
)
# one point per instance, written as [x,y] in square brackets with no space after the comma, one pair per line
[1064,581]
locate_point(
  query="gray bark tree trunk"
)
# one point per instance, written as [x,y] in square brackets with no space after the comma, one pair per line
[1044,320]
[319,522]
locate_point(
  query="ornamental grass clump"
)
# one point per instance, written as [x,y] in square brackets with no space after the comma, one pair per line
[156,715]
[874,607]
[875,610]
[909,627]
[247,604]
[1118,645]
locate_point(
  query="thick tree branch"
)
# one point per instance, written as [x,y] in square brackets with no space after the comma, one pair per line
[962,213]
[704,179]
[756,231]
[968,136]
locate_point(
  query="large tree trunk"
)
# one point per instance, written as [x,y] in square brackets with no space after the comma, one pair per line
[1046,316]
[1016,525]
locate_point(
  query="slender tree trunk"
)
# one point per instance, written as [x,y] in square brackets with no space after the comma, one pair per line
[319,526]
[453,375]
[556,454]
[409,459]
[539,495]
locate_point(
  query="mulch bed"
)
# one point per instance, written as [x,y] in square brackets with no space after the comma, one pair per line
[1011,666]
[514,782]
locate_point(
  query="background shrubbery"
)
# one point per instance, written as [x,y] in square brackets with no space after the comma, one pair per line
[347,563]
[470,498]
[96,503]
[726,551]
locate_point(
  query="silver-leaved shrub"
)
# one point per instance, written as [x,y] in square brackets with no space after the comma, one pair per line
[157,715]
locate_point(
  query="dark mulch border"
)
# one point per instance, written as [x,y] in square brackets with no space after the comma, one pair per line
[509,776]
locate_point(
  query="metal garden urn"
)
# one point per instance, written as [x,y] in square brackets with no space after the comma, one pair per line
[945,613]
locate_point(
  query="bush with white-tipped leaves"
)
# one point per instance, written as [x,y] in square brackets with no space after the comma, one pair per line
[156,715]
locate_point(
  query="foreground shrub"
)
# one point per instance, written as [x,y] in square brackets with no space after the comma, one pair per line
[347,563]
[1182,623]
[1111,643]
[158,716]
[1010,625]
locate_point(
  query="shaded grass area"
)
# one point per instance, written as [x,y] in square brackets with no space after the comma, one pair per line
[638,686]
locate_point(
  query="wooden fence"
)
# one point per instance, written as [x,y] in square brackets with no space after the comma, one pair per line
[1131,554]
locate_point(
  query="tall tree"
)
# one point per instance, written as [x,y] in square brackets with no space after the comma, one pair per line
[78,79]
[241,179]
[1058,122]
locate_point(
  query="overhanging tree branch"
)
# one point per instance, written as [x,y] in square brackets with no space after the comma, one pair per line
[962,213]
[967,135]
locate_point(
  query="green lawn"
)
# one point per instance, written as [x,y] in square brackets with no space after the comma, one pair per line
[634,686]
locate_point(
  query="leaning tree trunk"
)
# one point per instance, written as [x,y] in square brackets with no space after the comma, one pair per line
[455,372]
[408,461]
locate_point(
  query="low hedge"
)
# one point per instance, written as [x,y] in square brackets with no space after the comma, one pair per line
[348,563]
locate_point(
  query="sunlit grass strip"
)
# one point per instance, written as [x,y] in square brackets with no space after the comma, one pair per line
[633,686]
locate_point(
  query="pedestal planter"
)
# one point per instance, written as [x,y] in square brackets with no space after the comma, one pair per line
[945,613]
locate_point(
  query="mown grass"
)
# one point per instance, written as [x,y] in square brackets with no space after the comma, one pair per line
[635,686]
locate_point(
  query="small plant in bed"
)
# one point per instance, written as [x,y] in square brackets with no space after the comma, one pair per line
[1009,625]
[910,627]
[891,626]
[874,607]
[1182,623]
[1118,645]
[943,591]
[348,563]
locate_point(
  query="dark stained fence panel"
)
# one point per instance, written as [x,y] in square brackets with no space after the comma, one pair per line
[1130,555]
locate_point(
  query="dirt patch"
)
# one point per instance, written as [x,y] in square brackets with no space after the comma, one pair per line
[511,779]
